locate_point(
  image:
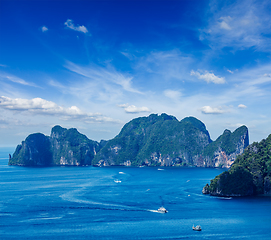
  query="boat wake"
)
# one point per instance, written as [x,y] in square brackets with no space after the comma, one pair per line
[90,204]
[155,211]
[225,198]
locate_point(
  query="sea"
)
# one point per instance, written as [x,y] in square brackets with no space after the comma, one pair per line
[122,203]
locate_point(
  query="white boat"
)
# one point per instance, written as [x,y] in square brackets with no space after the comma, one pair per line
[162,210]
[117,181]
[197,228]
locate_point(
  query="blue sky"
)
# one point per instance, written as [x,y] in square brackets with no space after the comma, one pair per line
[95,65]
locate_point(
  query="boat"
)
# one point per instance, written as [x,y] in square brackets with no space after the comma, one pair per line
[162,210]
[117,181]
[197,228]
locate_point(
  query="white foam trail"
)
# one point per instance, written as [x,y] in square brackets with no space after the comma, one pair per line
[71,198]
[156,211]
[41,219]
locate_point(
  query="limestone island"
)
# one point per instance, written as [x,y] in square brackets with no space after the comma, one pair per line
[156,140]
[249,175]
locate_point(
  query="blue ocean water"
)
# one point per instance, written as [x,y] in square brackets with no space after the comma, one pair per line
[122,203]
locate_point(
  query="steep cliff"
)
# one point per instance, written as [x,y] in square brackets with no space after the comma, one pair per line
[69,147]
[156,140]
[165,141]
[223,151]
[34,151]
[250,174]
[63,147]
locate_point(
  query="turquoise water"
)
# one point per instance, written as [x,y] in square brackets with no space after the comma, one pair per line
[122,203]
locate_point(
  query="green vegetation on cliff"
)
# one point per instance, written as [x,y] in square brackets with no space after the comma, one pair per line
[153,141]
[63,147]
[156,139]
[71,147]
[34,151]
[250,174]
[227,142]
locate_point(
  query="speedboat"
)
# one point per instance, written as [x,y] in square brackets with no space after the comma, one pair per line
[162,210]
[197,228]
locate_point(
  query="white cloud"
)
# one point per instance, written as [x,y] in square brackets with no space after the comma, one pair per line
[134,109]
[44,29]
[242,106]
[125,105]
[234,125]
[267,75]
[230,71]
[173,94]
[212,110]
[208,77]
[43,107]
[69,23]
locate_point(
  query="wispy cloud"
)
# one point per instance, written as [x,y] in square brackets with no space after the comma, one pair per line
[104,76]
[224,24]
[241,24]
[167,65]
[208,77]
[69,23]
[43,107]
[133,109]
[15,79]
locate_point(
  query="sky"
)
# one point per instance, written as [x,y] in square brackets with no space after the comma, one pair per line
[96,65]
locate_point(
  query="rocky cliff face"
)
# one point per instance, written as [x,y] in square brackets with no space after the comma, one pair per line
[223,151]
[69,147]
[34,151]
[250,174]
[156,140]
[165,141]
[63,147]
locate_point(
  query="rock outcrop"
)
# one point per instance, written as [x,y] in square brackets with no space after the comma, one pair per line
[156,140]
[63,147]
[69,147]
[34,151]
[165,141]
[250,174]
[223,151]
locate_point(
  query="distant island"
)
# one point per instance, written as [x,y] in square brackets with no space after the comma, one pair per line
[249,175]
[156,140]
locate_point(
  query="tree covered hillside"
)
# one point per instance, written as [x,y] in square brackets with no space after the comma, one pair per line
[250,174]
